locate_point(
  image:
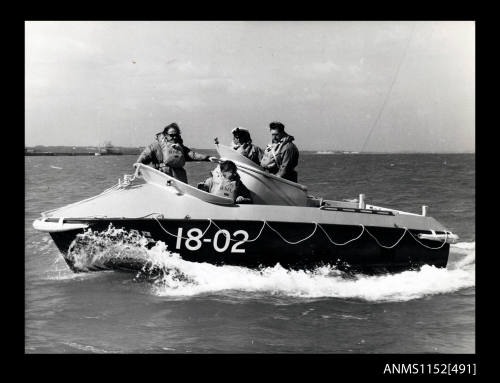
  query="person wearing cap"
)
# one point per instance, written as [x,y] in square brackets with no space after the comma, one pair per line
[242,143]
[225,182]
[281,156]
[168,153]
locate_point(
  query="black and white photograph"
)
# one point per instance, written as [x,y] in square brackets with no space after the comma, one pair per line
[251,187]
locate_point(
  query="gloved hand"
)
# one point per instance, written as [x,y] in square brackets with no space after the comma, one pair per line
[213,159]
[241,199]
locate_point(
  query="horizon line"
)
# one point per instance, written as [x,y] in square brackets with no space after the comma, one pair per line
[303,150]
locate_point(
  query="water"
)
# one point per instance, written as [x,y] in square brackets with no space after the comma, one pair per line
[201,308]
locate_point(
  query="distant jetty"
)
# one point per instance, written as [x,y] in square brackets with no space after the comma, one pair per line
[105,150]
[335,152]
[58,154]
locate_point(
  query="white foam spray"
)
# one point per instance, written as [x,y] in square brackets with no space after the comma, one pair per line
[93,249]
[171,276]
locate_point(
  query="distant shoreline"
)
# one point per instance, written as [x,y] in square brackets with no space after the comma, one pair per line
[55,154]
[70,154]
[88,151]
[41,150]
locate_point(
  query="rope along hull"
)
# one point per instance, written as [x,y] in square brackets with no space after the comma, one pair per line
[256,244]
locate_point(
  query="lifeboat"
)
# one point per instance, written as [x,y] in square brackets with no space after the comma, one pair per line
[284,225]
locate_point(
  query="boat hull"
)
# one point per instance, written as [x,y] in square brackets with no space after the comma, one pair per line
[256,244]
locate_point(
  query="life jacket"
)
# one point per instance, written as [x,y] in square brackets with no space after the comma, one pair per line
[223,187]
[270,158]
[172,153]
[217,174]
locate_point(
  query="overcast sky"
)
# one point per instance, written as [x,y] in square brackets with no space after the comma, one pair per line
[329,82]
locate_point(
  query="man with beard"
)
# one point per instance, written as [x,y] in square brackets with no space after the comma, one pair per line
[168,154]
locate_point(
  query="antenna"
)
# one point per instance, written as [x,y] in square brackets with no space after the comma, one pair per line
[390,88]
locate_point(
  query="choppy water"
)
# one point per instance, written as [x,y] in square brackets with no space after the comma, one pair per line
[201,308]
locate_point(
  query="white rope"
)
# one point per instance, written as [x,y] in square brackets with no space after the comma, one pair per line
[294,243]
[176,236]
[316,225]
[345,243]
[127,180]
[159,215]
[248,240]
[431,248]
[387,247]
[223,231]
[260,232]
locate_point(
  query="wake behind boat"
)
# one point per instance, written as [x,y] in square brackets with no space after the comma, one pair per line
[285,225]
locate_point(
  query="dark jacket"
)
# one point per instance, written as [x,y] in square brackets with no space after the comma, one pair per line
[281,158]
[155,153]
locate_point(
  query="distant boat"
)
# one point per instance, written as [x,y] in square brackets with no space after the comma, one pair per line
[108,149]
[325,152]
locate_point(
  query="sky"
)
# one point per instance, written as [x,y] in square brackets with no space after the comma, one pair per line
[336,85]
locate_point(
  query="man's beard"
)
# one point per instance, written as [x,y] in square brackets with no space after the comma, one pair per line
[174,140]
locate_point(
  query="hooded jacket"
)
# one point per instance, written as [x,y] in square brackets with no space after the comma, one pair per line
[250,151]
[169,157]
[281,158]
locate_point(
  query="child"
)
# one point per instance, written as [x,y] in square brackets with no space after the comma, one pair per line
[225,182]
